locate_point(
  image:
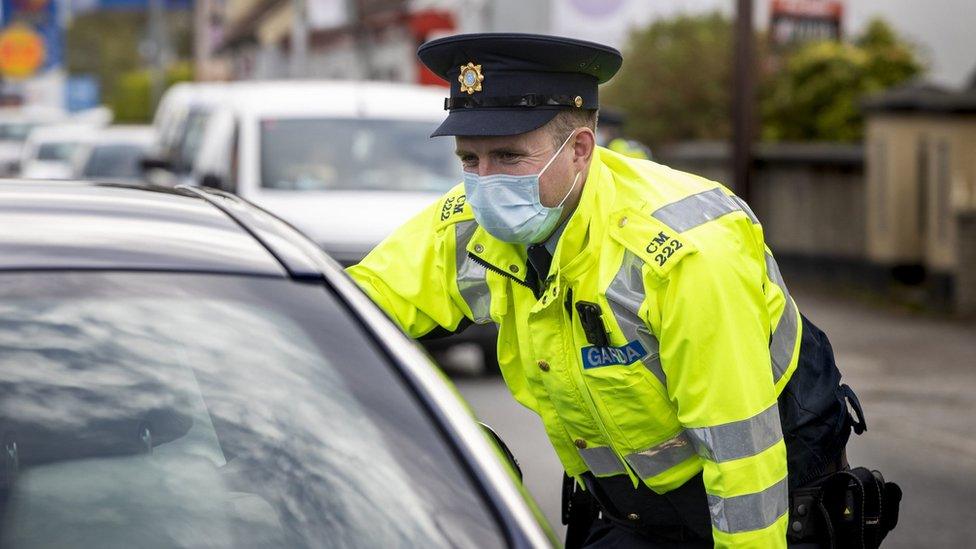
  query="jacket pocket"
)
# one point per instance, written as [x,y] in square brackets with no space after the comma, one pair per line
[626,395]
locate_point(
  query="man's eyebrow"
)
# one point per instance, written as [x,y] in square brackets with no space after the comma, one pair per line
[509,149]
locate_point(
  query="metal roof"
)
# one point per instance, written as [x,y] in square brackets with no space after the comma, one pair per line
[923,97]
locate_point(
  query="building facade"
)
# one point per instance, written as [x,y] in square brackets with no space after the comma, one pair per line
[920,145]
[350,39]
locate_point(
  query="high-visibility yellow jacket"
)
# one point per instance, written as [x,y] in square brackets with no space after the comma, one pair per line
[629,148]
[703,334]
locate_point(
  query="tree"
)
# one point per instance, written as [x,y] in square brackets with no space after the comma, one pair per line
[676,79]
[816,95]
[105,43]
[131,100]
[676,82]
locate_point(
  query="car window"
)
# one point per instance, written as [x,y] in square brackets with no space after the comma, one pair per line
[189,141]
[56,151]
[115,160]
[15,131]
[355,154]
[234,170]
[149,410]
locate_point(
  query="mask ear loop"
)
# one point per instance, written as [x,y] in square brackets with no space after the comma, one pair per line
[559,150]
[570,191]
[575,180]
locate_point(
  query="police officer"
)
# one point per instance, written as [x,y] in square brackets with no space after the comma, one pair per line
[640,313]
[610,134]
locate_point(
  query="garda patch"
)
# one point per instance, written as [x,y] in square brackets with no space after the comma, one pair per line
[596,357]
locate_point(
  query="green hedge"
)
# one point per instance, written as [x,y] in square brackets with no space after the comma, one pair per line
[132,100]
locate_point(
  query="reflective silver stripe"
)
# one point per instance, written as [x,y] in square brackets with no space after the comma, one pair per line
[784,336]
[471,275]
[772,270]
[625,295]
[749,511]
[783,340]
[602,461]
[744,206]
[661,457]
[738,439]
[695,210]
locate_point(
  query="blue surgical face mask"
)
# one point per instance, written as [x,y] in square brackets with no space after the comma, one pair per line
[508,206]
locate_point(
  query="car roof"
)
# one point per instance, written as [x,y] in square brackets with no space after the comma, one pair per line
[31,114]
[345,98]
[57,133]
[183,93]
[122,134]
[57,225]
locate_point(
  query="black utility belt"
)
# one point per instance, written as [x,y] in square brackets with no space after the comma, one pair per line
[849,508]
[679,515]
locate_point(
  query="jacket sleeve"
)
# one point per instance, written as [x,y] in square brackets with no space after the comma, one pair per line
[411,275]
[714,336]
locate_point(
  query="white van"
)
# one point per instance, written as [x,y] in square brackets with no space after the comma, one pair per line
[345,162]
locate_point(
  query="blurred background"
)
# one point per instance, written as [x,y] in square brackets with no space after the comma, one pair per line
[848,125]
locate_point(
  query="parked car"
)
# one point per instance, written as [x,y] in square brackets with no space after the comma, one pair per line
[49,151]
[16,124]
[183,110]
[179,368]
[345,162]
[114,153]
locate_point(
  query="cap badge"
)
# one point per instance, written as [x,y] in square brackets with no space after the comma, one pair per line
[471,78]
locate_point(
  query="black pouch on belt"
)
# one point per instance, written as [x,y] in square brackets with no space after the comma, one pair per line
[860,508]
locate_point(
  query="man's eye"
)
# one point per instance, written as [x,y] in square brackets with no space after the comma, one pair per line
[469,161]
[508,157]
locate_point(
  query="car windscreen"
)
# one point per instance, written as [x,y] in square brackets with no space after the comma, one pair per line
[15,131]
[325,154]
[56,151]
[189,410]
[114,160]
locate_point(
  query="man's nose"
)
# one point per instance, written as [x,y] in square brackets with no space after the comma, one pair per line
[482,169]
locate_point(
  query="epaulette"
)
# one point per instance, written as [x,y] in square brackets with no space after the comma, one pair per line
[454,208]
[659,246]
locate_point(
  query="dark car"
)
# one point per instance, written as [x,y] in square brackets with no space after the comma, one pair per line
[179,368]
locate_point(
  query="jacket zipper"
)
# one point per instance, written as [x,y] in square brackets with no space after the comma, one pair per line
[495,269]
[584,389]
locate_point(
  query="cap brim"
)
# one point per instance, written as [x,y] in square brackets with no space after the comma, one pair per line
[494,122]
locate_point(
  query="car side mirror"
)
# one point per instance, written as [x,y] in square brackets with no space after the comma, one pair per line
[509,456]
[147,163]
[212,181]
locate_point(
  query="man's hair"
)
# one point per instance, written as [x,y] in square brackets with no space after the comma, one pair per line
[565,122]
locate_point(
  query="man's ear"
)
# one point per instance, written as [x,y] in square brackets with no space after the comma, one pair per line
[583,145]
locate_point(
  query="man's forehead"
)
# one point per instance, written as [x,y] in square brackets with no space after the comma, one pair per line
[529,139]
